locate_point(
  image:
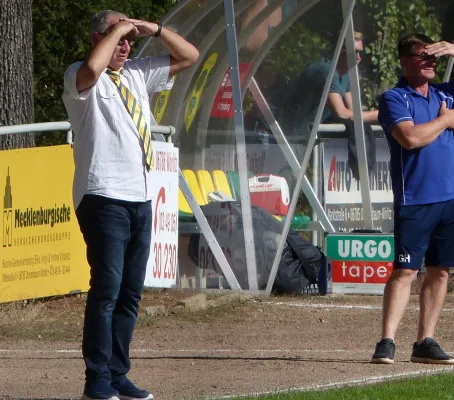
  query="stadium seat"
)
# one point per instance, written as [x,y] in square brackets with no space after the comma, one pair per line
[220,182]
[233,179]
[205,183]
[184,211]
[190,177]
[202,183]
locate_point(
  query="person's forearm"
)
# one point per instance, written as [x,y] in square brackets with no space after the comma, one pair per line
[421,135]
[97,61]
[370,116]
[178,47]
[100,56]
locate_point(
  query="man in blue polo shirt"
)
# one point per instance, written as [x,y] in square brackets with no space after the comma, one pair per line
[418,119]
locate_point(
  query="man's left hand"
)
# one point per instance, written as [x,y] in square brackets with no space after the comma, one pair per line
[145,28]
[439,49]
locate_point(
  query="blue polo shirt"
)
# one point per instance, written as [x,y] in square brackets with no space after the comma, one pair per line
[424,175]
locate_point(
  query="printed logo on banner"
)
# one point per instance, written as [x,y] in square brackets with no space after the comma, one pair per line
[163,261]
[42,250]
[373,248]
[360,259]
[165,254]
[340,184]
[196,93]
[31,217]
[343,199]
[223,103]
[8,214]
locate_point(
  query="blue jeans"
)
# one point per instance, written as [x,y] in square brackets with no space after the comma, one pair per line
[117,234]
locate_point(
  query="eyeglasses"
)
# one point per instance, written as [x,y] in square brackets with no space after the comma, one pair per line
[423,57]
[122,40]
[361,53]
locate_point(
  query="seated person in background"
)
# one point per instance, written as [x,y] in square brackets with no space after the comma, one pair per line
[298,101]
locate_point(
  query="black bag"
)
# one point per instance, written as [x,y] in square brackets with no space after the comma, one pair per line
[300,265]
[300,262]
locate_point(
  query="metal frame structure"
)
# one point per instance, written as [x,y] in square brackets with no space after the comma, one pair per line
[238,93]
[241,145]
[358,119]
[310,145]
[227,24]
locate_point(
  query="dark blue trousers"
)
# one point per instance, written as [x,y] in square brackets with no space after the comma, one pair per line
[117,234]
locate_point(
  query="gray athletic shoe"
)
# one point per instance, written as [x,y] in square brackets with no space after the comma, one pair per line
[430,352]
[384,352]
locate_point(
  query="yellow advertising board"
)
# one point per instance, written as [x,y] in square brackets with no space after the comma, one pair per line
[42,251]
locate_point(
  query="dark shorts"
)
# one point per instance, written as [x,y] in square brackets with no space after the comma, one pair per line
[424,231]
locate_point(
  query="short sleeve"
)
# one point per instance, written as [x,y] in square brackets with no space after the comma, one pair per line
[348,89]
[447,87]
[156,72]
[70,89]
[393,108]
[335,85]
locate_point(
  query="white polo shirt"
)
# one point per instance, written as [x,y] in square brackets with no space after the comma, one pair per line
[108,155]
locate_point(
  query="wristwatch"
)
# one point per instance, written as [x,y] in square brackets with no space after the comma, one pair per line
[158,32]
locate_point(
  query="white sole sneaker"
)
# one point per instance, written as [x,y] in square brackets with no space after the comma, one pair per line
[85,397]
[149,397]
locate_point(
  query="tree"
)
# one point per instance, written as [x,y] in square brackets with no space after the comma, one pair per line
[390,20]
[16,65]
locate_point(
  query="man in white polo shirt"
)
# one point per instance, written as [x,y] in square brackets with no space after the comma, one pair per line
[106,98]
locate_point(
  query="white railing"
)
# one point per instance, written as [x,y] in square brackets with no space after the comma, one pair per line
[166,130]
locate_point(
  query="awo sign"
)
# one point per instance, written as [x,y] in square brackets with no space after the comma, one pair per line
[360,263]
[343,201]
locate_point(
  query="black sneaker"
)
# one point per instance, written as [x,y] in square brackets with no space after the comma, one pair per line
[100,390]
[430,352]
[384,352]
[129,391]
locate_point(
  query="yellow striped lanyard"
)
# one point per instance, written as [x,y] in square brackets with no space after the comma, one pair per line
[133,107]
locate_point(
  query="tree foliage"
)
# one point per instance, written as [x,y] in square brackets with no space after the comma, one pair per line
[61,37]
[389,20]
[382,22]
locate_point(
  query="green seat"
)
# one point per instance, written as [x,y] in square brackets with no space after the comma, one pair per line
[233,178]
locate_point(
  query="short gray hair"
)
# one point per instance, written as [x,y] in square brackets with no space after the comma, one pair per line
[99,21]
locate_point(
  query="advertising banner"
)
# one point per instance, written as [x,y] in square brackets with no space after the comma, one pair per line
[360,263]
[42,249]
[42,253]
[223,103]
[343,203]
[163,261]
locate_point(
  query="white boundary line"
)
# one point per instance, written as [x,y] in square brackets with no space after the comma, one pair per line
[343,306]
[193,351]
[336,385]
[197,352]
